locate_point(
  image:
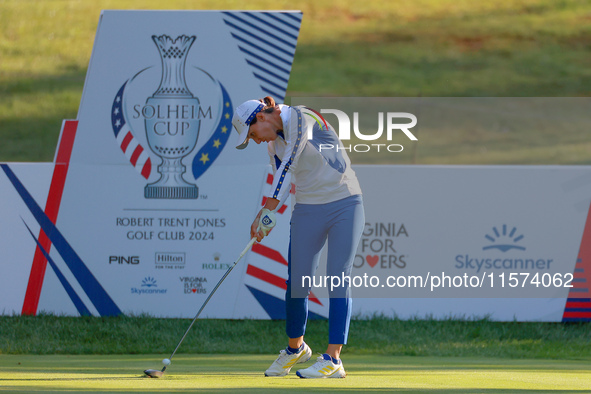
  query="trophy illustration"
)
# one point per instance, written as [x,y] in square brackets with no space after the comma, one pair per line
[171,121]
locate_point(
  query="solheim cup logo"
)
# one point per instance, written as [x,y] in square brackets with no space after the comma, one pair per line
[172,131]
[171,119]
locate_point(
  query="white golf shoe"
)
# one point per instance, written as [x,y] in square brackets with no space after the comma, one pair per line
[282,365]
[324,367]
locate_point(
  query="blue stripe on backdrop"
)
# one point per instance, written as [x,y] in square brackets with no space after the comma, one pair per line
[259,40]
[268,41]
[263,33]
[76,300]
[91,286]
[296,20]
[278,77]
[289,34]
[253,55]
[277,96]
[214,146]
[283,86]
[117,111]
[263,50]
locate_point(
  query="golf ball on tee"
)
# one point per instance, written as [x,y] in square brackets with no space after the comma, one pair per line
[166,361]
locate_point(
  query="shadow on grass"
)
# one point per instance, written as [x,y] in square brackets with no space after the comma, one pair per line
[69,78]
[31,114]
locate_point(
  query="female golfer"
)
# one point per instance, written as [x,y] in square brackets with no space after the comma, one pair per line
[306,151]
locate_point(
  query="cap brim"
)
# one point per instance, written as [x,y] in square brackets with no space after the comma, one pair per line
[243,144]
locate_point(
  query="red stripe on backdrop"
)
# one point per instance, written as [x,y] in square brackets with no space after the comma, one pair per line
[266,276]
[573,304]
[147,168]
[584,263]
[126,141]
[274,280]
[570,315]
[269,253]
[136,154]
[52,206]
[585,250]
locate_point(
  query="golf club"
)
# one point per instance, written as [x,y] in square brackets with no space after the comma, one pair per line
[154,373]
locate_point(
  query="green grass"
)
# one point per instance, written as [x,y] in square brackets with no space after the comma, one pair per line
[48,334]
[244,374]
[423,48]
[94,354]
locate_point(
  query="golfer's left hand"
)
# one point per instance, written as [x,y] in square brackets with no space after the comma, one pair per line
[263,224]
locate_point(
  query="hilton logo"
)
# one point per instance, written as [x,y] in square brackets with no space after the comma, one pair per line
[170,260]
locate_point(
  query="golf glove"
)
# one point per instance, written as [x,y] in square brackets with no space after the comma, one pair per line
[267,221]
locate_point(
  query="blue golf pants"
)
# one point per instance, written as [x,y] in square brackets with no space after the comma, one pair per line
[312,225]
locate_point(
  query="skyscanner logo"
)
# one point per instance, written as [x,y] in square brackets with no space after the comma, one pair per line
[504,240]
[148,286]
[504,251]
[149,282]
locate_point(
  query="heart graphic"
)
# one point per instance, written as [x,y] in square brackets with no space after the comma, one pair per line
[372,260]
[194,290]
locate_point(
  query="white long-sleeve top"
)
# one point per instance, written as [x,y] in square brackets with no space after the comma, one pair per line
[321,174]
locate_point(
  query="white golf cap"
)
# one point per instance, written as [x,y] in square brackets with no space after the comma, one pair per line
[243,117]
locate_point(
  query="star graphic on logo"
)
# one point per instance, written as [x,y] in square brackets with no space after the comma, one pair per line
[216,143]
[204,158]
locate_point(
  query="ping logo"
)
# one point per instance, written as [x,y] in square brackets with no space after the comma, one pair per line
[134,260]
[504,240]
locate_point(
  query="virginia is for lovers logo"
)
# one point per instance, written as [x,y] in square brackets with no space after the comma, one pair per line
[158,130]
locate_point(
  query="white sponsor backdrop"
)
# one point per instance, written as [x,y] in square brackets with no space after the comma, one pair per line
[424,219]
[16,243]
[421,213]
[474,220]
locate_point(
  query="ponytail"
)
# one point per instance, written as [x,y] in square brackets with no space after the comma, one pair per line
[269,103]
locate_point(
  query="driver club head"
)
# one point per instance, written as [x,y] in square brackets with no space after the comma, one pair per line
[154,373]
